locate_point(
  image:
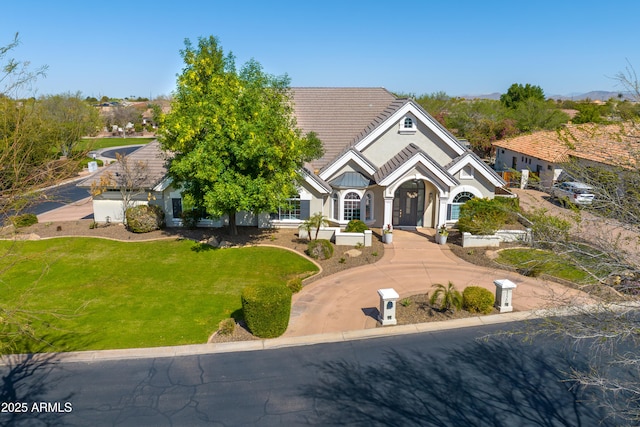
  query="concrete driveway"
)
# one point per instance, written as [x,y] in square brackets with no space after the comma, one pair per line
[411,265]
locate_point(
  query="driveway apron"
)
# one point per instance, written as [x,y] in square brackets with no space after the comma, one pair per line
[411,265]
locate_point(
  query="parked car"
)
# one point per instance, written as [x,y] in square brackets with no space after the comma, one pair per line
[576,193]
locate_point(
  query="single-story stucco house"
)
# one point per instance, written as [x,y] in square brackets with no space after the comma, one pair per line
[545,152]
[386,161]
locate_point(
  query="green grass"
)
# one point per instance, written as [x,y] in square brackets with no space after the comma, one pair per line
[100,294]
[97,143]
[547,262]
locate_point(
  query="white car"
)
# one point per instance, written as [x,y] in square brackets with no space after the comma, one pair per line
[576,193]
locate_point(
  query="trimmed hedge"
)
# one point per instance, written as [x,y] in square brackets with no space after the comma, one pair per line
[477,300]
[24,220]
[266,309]
[483,217]
[145,218]
[356,226]
[320,249]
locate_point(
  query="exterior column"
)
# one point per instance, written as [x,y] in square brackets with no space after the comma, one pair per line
[442,211]
[388,211]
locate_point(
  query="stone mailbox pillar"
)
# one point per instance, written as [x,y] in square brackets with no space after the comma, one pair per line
[388,298]
[504,292]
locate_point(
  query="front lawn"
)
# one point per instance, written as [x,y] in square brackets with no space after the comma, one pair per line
[100,294]
[88,144]
[533,262]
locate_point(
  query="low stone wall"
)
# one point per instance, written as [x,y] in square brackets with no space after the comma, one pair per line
[326,233]
[352,239]
[471,241]
[339,237]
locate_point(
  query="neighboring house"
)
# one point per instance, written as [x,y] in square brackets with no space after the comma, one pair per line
[386,161]
[545,152]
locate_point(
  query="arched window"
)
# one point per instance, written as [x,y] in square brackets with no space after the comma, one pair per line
[335,206]
[351,206]
[453,209]
[408,123]
[368,207]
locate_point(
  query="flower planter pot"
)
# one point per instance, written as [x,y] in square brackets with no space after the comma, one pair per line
[441,239]
[387,238]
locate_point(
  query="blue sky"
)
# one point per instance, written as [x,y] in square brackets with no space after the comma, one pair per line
[121,48]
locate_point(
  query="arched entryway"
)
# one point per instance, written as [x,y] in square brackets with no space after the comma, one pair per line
[408,204]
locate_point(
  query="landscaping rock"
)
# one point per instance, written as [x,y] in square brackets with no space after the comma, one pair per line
[211,241]
[225,244]
[353,253]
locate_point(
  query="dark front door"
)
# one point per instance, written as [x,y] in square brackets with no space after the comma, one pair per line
[408,204]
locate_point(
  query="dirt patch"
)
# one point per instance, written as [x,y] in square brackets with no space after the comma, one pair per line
[416,309]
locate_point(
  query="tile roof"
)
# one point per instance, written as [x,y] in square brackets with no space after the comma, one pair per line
[615,144]
[150,154]
[339,115]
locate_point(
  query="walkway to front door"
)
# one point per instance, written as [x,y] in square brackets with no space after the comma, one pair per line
[411,265]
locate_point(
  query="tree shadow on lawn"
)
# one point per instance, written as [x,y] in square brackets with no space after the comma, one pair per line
[488,383]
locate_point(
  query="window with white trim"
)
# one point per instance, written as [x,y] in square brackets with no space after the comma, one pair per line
[407,125]
[453,208]
[351,208]
[289,212]
[368,207]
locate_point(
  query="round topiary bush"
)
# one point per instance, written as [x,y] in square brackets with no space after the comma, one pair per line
[266,309]
[320,249]
[477,300]
[145,218]
[356,226]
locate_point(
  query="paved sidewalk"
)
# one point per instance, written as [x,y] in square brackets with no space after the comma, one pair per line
[71,212]
[348,301]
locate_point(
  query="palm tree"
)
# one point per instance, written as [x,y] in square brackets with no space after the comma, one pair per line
[448,298]
[315,221]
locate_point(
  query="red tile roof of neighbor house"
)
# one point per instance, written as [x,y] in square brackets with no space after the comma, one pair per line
[617,144]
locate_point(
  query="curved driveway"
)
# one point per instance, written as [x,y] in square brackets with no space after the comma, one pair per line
[411,265]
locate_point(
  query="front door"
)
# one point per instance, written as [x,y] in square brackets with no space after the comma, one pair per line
[408,204]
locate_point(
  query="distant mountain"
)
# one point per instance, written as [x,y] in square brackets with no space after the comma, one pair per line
[601,95]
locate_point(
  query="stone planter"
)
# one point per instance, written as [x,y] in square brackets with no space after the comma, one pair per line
[387,238]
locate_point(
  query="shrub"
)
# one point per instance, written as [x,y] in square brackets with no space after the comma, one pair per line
[266,309]
[477,300]
[320,249]
[190,218]
[356,226]
[226,326]
[483,216]
[294,285]
[24,220]
[84,163]
[144,218]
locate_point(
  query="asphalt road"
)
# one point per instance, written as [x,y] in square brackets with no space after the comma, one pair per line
[448,378]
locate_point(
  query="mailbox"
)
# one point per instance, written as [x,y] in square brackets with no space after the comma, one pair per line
[388,299]
[504,294]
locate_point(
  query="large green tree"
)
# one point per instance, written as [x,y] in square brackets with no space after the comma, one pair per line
[233,135]
[518,93]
